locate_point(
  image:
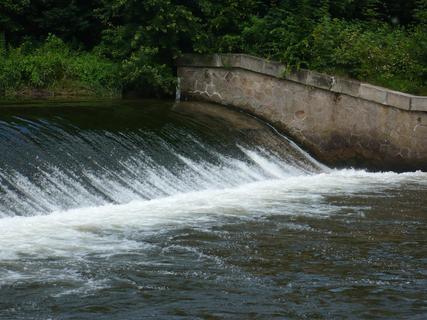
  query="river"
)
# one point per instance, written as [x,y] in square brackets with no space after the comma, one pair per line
[153,209]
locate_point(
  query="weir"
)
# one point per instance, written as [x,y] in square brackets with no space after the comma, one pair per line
[342,122]
[51,164]
[154,206]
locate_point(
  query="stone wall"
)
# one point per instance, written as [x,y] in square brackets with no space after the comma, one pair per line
[340,121]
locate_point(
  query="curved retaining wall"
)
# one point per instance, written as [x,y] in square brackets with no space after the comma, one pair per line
[341,122]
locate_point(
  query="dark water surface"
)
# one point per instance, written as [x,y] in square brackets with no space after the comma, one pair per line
[150,209]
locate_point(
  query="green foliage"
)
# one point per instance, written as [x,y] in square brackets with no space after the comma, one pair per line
[9,9]
[280,35]
[374,47]
[145,37]
[132,45]
[420,12]
[141,71]
[376,53]
[220,24]
[2,45]
[53,64]
[73,21]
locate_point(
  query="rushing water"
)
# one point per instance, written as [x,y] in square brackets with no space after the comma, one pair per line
[135,210]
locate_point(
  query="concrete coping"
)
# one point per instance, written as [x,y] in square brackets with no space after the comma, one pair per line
[310,78]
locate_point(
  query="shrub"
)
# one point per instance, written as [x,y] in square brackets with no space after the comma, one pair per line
[55,66]
[380,53]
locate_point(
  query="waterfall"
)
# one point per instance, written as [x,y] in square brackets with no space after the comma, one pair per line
[54,163]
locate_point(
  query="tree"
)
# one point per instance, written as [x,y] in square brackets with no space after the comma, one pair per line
[11,15]
[146,37]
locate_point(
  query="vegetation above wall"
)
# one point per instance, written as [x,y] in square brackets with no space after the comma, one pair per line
[103,47]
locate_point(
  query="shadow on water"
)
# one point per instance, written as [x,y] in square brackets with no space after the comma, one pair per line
[139,209]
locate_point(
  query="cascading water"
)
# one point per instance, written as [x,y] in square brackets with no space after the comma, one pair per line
[128,199]
[53,164]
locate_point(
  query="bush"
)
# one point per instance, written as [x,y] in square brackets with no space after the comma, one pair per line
[57,68]
[388,55]
[381,54]
[132,44]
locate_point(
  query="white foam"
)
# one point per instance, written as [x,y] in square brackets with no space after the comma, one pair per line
[105,229]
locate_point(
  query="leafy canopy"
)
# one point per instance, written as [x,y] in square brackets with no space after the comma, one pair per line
[383,41]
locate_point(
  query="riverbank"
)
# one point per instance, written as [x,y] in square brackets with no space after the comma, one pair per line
[65,90]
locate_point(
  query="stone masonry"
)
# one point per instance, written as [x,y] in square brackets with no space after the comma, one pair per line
[341,122]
